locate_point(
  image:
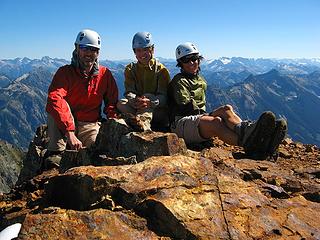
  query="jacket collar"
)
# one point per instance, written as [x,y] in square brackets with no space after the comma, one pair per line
[189,75]
[149,65]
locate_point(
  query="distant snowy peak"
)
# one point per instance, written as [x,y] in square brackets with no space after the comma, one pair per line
[225,60]
[16,61]
[262,65]
[13,68]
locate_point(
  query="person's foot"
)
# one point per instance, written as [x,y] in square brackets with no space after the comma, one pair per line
[52,159]
[258,136]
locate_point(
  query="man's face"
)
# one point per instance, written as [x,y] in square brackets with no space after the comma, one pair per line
[87,56]
[144,55]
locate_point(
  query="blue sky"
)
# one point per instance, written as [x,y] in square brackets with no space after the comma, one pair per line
[245,28]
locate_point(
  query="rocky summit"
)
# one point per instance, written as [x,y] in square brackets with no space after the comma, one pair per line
[151,185]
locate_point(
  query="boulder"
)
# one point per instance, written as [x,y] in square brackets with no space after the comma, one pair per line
[11,159]
[32,163]
[159,189]
[116,140]
[191,198]
[95,224]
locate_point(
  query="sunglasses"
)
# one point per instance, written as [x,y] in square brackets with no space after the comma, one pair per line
[88,48]
[189,59]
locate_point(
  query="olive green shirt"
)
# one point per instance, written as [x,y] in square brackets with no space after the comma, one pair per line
[152,78]
[187,95]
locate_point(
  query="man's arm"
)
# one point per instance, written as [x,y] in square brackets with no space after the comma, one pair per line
[57,106]
[163,82]
[111,96]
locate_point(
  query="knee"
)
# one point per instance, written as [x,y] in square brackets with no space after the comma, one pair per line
[119,106]
[119,103]
[228,107]
[217,124]
[122,105]
[210,127]
[212,123]
[217,120]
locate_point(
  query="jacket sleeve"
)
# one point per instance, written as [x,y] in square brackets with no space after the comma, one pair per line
[111,95]
[129,81]
[57,105]
[130,91]
[164,79]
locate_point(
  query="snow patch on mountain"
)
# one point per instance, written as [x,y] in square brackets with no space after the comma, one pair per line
[225,60]
[24,76]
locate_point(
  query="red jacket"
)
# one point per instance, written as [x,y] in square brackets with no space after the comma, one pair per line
[84,96]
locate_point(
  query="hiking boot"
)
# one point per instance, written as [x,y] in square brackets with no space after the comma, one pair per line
[51,160]
[277,137]
[257,136]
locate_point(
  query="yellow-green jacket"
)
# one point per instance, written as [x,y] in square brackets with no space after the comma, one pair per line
[152,78]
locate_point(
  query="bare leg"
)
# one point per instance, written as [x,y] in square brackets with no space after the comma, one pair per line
[227,114]
[210,126]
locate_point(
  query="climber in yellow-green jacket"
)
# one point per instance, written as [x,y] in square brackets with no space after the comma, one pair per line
[146,83]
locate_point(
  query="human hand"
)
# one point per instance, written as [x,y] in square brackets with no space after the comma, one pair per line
[113,115]
[142,102]
[73,141]
[111,112]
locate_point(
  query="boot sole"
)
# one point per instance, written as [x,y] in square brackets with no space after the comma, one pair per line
[278,136]
[258,143]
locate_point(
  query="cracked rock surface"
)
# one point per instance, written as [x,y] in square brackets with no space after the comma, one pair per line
[168,191]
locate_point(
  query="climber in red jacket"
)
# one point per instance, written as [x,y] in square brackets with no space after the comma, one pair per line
[76,94]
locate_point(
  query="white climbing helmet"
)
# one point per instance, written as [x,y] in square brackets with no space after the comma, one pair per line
[185,49]
[88,37]
[10,232]
[142,40]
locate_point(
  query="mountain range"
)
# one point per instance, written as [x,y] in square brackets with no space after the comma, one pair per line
[287,96]
[289,87]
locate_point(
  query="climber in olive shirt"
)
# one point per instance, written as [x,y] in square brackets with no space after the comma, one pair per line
[146,83]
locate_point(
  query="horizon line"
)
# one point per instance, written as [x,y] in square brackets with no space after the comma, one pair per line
[173,59]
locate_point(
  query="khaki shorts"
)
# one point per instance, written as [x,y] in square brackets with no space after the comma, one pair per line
[86,132]
[188,128]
